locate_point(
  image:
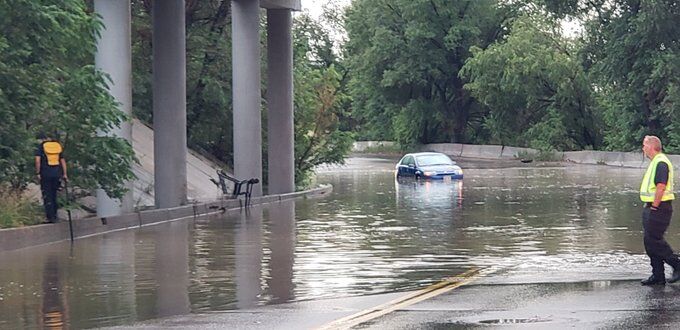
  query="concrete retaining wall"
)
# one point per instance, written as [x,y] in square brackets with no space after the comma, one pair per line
[199,170]
[453,149]
[361,146]
[514,152]
[481,151]
[476,151]
[612,158]
[624,159]
[17,238]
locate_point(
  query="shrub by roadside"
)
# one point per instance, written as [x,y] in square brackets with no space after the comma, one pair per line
[17,210]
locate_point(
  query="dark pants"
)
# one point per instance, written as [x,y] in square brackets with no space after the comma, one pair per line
[49,187]
[655,224]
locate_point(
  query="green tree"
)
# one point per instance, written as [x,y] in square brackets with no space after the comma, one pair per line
[632,56]
[537,92]
[321,99]
[405,57]
[48,84]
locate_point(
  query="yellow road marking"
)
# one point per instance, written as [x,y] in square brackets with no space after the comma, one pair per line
[433,290]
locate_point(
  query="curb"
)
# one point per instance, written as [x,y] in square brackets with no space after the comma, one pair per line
[23,237]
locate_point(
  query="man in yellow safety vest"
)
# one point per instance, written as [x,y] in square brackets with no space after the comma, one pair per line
[50,168]
[656,191]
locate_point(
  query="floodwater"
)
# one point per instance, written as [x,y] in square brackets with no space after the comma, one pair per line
[372,235]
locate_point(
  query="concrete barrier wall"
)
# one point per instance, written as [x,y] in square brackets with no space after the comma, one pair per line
[17,238]
[481,151]
[611,158]
[476,151]
[361,146]
[453,149]
[675,159]
[514,152]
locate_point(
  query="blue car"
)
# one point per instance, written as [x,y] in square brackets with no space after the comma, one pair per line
[428,165]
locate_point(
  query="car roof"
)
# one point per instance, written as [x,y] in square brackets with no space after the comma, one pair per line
[425,154]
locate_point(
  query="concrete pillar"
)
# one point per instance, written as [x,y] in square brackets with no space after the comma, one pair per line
[169,103]
[245,20]
[114,57]
[280,129]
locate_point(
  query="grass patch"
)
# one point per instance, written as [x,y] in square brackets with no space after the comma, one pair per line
[17,210]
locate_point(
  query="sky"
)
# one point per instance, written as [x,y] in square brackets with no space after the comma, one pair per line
[314,6]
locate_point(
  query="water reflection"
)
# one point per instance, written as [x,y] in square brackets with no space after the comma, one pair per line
[53,309]
[171,270]
[419,194]
[282,252]
[248,266]
[372,235]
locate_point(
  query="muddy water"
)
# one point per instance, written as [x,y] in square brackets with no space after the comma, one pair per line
[372,235]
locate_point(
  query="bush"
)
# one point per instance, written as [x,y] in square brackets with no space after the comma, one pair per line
[17,210]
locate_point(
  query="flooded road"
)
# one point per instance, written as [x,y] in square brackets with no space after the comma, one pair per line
[372,235]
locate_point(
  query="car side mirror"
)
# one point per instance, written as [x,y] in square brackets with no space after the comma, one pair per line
[412,165]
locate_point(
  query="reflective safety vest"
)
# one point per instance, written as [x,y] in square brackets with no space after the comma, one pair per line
[648,187]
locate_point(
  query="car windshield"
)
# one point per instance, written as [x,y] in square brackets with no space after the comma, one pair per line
[428,160]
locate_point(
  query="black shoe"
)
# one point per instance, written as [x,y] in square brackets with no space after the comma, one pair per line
[676,275]
[653,280]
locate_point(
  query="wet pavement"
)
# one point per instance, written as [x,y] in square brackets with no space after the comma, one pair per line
[550,234]
[582,305]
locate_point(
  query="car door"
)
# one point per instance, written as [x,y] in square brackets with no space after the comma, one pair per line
[403,168]
[410,166]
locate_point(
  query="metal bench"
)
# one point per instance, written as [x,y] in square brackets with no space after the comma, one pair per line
[238,186]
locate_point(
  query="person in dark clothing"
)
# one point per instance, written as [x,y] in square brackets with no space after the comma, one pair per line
[50,167]
[656,191]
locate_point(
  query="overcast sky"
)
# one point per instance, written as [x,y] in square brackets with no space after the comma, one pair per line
[314,6]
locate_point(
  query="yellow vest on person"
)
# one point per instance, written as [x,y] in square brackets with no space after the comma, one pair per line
[648,187]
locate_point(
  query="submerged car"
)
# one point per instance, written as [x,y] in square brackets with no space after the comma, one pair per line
[428,165]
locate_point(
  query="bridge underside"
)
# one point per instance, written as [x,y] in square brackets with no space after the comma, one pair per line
[169,93]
